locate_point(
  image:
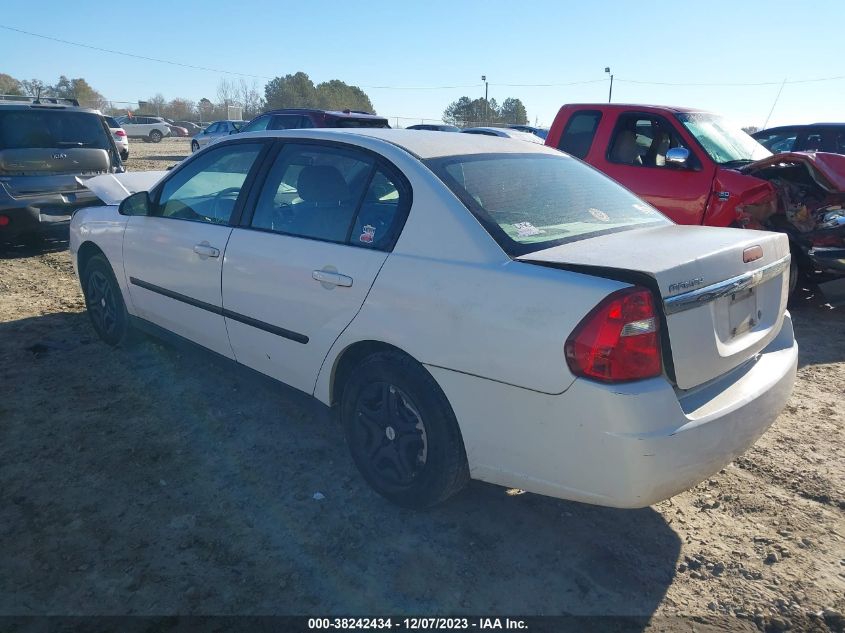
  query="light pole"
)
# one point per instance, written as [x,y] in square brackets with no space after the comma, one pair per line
[486,106]
[610,93]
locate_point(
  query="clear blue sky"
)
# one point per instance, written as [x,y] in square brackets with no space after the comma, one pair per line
[407,43]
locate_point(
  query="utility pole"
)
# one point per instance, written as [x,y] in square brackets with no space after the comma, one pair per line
[610,93]
[486,105]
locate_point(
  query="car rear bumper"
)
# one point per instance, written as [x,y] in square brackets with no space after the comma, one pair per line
[628,445]
[42,213]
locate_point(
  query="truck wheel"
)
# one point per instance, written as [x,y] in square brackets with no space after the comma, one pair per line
[402,433]
[104,302]
[155,136]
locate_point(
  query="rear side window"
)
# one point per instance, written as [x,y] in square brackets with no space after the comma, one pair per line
[353,122]
[21,129]
[334,195]
[579,133]
[528,202]
[286,122]
[777,141]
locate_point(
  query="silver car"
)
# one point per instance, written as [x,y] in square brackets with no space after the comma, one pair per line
[214,132]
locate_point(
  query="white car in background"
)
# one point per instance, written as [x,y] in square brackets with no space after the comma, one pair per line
[121,140]
[505,132]
[149,128]
[471,306]
[215,132]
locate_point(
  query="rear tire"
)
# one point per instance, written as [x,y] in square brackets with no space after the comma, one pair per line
[104,302]
[124,156]
[402,432]
[195,147]
[156,136]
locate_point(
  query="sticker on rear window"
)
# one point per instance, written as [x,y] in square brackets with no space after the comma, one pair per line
[599,215]
[526,229]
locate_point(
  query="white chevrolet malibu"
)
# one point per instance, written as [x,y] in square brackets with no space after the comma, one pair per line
[473,307]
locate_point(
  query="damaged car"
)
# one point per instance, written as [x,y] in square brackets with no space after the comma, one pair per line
[698,168]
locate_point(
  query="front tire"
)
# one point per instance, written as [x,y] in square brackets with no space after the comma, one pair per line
[156,136]
[402,433]
[104,302]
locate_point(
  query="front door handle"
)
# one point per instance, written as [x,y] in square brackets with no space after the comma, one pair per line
[204,249]
[329,278]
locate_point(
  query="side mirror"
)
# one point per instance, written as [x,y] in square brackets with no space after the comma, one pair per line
[677,156]
[136,204]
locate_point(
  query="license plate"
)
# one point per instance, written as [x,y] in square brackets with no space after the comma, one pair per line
[742,312]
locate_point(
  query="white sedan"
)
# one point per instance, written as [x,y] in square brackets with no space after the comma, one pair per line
[472,307]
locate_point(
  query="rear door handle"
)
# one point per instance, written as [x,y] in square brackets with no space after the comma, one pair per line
[331,278]
[204,249]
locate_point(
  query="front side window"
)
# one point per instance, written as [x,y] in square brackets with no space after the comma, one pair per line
[529,202]
[778,141]
[643,140]
[579,133]
[723,141]
[256,126]
[207,188]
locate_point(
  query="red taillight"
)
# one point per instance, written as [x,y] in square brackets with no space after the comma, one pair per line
[120,133]
[4,220]
[618,340]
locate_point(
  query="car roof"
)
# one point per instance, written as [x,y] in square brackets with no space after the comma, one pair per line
[633,106]
[17,105]
[423,144]
[358,114]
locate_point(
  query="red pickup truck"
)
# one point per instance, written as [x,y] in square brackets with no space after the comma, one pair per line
[697,168]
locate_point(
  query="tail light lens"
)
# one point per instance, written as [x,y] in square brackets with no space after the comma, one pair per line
[4,220]
[120,133]
[618,340]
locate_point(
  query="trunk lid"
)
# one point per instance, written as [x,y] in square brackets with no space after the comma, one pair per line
[719,310]
[113,188]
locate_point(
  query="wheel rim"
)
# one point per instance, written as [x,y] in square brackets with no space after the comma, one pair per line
[390,431]
[101,302]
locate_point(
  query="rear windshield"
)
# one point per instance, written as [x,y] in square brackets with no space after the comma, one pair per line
[21,129]
[111,122]
[528,202]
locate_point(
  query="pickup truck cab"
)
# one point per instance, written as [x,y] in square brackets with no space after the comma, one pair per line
[698,168]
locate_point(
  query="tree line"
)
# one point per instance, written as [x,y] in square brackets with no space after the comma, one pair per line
[295,90]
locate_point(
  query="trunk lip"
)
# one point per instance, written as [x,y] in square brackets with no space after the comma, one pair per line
[707,294]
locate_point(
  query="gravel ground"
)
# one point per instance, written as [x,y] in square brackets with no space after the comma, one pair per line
[155,480]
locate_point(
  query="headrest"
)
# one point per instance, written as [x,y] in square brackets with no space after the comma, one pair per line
[322,184]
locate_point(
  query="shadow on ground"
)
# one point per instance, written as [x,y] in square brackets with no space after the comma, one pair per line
[160,480]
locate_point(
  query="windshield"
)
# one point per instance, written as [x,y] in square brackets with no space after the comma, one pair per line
[528,202]
[25,129]
[723,141]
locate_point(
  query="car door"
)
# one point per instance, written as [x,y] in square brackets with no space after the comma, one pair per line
[173,257]
[299,268]
[635,156]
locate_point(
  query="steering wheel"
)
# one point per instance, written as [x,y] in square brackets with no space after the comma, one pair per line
[218,197]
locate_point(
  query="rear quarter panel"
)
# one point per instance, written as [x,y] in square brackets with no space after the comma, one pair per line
[450,297]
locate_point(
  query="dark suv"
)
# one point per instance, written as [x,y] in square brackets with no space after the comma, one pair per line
[48,147]
[295,118]
[813,137]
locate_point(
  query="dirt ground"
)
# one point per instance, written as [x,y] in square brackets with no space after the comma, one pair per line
[155,480]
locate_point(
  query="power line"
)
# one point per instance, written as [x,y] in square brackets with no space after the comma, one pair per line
[125,54]
[507,85]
